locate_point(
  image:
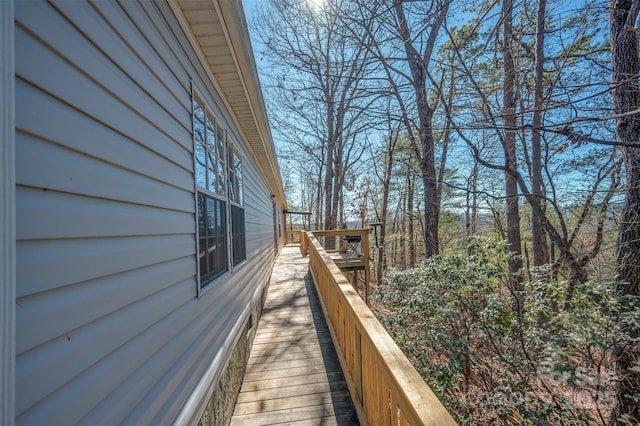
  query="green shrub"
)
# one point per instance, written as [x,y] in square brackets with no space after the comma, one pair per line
[452,316]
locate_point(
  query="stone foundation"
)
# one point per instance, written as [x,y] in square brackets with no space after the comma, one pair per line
[222,403]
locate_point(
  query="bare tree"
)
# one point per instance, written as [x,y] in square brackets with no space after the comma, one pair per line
[402,36]
[319,79]
[418,62]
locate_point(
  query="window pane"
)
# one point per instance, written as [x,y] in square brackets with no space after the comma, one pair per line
[201,166]
[222,218]
[235,177]
[202,251]
[235,189]
[214,256]
[211,134]
[198,121]
[221,179]
[202,215]
[216,218]
[217,231]
[212,218]
[232,187]
[213,185]
[217,255]
[236,164]
[238,234]
[220,142]
[238,168]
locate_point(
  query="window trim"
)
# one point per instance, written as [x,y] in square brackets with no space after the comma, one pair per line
[196,97]
[199,288]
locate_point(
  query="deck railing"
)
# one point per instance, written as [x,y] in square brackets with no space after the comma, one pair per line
[293,236]
[338,239]
[384,386]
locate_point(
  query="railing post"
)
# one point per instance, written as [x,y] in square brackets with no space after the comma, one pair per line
[303,243]
[367,266]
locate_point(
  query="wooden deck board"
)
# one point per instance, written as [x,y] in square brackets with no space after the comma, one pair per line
[262,358]
[293,375]
[291,402]
[293,380]
[293,372]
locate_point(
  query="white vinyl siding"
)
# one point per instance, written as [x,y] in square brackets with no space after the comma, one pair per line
[109,328]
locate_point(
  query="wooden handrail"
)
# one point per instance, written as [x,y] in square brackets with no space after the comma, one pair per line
[336,232]
[384,386]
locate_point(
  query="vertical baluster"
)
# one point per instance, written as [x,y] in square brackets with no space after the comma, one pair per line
[386,408]
[358,376]
[375,394]
[395,415]
[403,419]
[366,382]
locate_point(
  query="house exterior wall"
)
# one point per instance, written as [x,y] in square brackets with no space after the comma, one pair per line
[7,217]
[109,325]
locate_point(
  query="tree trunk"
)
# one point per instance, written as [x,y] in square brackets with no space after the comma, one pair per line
[394,242]
[418,64]
[431,208]
[340,201]
[318,218]
[388,171]
[403,232]
[410,232]
[626,99]
[471,214]
[511,184]
[577,275]
[538,234]
[329,221]
[329,218]
[337,190]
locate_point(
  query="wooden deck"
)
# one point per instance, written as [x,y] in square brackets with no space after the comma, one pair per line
[293,376]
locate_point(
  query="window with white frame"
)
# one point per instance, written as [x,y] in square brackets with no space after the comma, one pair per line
[220,198]
[209,152]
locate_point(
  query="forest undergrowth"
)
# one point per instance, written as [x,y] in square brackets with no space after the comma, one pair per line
[549,364]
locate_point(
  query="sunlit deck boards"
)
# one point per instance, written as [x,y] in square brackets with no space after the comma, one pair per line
[293,374]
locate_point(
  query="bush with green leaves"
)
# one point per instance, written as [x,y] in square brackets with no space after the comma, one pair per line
[550,364]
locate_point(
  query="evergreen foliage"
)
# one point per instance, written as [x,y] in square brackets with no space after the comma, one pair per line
[452,315]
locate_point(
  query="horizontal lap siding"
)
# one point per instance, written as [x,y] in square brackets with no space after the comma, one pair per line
[109,328]
[258,210]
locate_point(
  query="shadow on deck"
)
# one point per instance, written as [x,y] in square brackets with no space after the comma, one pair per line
[293,375]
